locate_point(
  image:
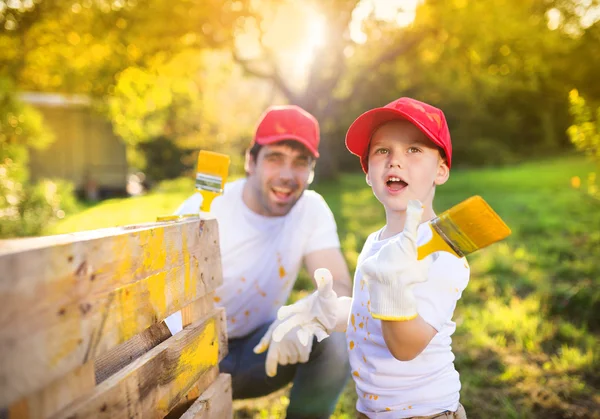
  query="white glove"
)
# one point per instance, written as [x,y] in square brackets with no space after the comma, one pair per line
[393,272]
[318,315]
[288,351]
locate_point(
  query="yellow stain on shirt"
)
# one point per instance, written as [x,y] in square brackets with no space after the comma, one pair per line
[247,313]
[387,409]
[232,320]
[355,373]
[361,325]
[243,279]
[261,292]
[364,358]
[353,321]
[217,298]
[351,344]
[281,272]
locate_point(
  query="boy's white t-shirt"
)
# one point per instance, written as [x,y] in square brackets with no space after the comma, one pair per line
[428,384]
[261,256]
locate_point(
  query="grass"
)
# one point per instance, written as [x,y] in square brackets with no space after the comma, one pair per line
[527,342]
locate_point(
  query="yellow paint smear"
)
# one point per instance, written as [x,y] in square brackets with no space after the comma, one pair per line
[199,355]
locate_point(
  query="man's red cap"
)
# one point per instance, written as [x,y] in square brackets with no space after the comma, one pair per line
[430,120]
[289,122]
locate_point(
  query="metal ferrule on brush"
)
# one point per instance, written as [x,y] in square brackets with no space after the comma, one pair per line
[453,235]
[208,182]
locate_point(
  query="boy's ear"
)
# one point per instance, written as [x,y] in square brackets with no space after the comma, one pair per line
[443,173]
[367,179]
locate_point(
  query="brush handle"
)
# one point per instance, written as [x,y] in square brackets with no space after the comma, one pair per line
[436,244]
[207,198]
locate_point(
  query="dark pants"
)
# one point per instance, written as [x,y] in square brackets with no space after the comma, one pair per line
[317,384]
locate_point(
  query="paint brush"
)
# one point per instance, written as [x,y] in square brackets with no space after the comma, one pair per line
[464,229]
[211,175]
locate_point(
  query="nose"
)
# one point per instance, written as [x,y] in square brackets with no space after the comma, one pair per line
[395,160]
[286,172]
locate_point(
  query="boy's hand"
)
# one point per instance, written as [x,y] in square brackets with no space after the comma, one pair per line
[395,270]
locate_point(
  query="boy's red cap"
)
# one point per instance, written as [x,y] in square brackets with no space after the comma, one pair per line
[430,120]
[288,122]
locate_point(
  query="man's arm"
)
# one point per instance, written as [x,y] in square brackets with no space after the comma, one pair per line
[333,260]
[407,339]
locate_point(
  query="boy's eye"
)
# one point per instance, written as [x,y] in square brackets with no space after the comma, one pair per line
[414,150]
[382,151]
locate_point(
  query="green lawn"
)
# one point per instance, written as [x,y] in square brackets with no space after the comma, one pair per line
[527,343]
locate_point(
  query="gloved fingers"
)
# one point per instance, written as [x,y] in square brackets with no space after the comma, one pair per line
[272,360]
[304,354]
[286,327]
[414,212]
[320,334]
[298,307]
[265,341]
[303,336]
[324,281]
[343,307]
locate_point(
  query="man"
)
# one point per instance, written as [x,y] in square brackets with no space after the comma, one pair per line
[269,224]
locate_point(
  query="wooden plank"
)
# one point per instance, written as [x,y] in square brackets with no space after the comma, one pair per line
[192,395]
[80,382]
[214,403]
[153,384]
[62,306]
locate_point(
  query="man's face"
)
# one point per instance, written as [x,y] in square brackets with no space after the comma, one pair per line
[277,178]
[403,165]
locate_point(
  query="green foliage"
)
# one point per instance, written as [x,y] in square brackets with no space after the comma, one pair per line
[25,208]
[585,131]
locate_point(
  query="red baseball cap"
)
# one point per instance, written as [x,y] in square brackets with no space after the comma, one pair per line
[430,120]
[288,122]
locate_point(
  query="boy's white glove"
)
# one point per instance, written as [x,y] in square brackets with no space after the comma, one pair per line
[287,351]
[319,314]
[393,272]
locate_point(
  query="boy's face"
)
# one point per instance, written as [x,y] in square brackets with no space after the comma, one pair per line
[278,177]
[403,165]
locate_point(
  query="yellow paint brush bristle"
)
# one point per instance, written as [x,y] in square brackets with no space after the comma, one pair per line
[211,175]
[464,229]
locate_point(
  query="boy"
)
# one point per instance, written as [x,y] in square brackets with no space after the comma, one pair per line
[400,321]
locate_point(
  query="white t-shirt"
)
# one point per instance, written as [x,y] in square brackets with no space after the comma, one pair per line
[428,384]
[261,256]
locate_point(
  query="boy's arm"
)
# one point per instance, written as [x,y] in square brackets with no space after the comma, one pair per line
[407,339]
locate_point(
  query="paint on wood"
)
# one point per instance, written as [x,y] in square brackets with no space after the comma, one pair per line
[214,403]
[66,304]
[156,382]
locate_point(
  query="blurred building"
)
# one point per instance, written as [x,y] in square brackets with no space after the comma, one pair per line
[85,151]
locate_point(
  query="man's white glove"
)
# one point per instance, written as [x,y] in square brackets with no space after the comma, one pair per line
[393,272]
[319,314]
[287,351]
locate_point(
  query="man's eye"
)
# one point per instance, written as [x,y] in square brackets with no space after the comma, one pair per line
[302,163]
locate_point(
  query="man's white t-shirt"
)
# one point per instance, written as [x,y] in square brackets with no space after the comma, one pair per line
[428,384]
[261,256]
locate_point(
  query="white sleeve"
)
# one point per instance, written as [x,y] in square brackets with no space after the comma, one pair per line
[323,233]
[437,297]
[190,205]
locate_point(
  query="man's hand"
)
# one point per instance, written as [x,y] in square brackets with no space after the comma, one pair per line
[287,351]
[318,315]
[392,274]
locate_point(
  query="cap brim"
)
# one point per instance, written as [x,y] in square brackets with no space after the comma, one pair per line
[360,132]
[283,137]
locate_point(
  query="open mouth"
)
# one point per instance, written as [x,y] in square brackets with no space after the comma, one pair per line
[282,194]
[395,184]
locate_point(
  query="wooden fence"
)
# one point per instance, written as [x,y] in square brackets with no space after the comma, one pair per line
[81,330]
